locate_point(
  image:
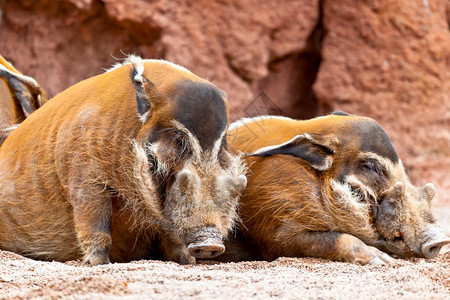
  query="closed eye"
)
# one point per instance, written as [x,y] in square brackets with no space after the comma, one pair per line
[181,142]
[373,166]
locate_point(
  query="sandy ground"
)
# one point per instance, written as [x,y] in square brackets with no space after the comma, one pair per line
[287,278]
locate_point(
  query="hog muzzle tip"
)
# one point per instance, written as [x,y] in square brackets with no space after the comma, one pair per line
[431,249]
[208,248]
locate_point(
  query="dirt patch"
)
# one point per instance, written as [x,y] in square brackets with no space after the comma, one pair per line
[285,277]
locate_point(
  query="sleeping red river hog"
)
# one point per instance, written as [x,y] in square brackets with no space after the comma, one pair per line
[331,187]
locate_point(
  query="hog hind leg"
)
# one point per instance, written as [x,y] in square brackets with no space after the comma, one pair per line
[37,228]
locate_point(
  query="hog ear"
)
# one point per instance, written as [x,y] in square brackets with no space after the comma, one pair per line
[236,185]
[428,192]
[185,179]
[315,149]
[146,93]
[25,90]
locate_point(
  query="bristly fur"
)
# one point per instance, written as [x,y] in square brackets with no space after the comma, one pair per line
[350,209]
[147,212]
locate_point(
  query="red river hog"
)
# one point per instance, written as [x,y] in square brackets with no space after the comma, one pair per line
[120,166]
[331,187]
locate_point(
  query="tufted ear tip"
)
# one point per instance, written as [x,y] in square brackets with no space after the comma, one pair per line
[429,191]
[399,188]
[241,183]
[28,95]
[235,184]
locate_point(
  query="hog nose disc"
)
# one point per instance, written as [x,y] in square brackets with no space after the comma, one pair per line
[209,248]
[431,250]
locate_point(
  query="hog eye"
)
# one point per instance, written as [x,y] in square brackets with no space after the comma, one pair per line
[372,166]
[181,143]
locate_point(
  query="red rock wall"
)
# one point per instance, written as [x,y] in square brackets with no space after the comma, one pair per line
[385,59]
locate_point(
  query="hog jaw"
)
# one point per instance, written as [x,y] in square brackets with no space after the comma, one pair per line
[208,242]
[432,238]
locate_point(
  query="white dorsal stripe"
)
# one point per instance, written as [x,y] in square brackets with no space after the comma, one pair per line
[196,148]
[130,59]
[245,121]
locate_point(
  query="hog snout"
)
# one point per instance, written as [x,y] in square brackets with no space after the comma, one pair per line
[436,240]
[206,243]
[209,248]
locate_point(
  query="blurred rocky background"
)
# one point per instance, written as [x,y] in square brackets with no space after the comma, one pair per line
[389,60]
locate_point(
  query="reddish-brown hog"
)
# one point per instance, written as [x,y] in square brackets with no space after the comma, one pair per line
[331,187]
[20,95]
[122,166]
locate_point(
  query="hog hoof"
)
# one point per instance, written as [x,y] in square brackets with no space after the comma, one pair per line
[379,257]
[187,260]
[176,252]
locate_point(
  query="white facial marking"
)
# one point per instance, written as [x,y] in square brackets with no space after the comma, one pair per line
[195,144]
[344,193]
[387,164]
[217,144]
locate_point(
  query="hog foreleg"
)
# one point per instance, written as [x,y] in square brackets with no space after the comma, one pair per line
[176,251]
[331,245]
[92,217]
